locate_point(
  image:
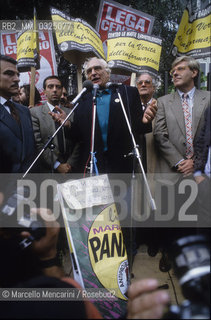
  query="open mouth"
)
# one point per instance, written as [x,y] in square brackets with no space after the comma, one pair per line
[95,80]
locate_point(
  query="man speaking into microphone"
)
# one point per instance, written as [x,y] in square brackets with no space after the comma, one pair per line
[112,141]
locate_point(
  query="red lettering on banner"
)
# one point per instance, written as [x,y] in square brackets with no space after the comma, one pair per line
[117,19]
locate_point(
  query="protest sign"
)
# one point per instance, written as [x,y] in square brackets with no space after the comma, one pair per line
[28,47]
[75,37]
[96,241]
[47,57]
[114,16]
[193,36]
[130,51]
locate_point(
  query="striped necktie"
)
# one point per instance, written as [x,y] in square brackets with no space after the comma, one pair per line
[188,126]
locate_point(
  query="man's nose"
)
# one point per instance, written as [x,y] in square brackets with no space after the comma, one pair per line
[16,78]
[93,72]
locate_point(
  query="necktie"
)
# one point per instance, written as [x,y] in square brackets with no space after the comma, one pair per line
[14,112]
[59,135]
[188,126]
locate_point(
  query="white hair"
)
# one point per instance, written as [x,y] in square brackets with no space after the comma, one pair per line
[102,62]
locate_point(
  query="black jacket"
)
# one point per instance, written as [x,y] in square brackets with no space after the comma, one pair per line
[118,140]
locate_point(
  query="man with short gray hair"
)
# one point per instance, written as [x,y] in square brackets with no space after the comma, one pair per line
[146,85]
[179,120]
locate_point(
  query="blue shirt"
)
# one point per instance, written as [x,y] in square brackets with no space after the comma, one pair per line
[103,107]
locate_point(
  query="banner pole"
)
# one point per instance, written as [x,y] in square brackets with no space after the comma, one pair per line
[133,79]
[32,86]
[79,77]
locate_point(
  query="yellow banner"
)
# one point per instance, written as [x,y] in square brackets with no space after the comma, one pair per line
[134,49]
[193,35]
[76,34]
[26,43]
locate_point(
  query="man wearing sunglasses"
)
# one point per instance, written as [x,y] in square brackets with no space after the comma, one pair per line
[146,85]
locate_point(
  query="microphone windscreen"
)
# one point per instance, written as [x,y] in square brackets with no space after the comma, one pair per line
[88,85]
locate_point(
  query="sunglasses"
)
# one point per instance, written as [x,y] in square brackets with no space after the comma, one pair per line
[144,82]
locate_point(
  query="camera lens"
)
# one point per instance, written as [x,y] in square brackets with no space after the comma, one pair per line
[191,261]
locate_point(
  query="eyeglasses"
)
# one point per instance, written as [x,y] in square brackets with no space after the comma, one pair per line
[147,82]
[177,69]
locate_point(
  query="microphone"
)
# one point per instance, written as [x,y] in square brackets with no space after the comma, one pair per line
[95,88]
[113,85]
[87,86]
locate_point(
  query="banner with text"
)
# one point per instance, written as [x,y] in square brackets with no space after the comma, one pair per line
[133,52]
[47,57]
[194,37]
[114,16]
[75,37]
[28,47]
[95,241]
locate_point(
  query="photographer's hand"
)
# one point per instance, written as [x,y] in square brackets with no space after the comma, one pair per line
[144,301]
[46,247]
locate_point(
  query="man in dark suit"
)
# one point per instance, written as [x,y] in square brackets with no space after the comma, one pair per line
[112,139]
[112,142]
[202,170]
[64,156]
[17,146]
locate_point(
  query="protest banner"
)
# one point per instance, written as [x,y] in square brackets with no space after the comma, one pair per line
[130,51]
[96,242]
[193,36]
[47,57]
[28,47]
[114,16]
[76,39]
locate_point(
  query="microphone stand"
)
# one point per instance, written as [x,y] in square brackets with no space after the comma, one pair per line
[93,158]
[49,142]
[87,85]
[136,154]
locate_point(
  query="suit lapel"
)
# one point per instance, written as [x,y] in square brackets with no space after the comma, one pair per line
[48,120]
[198,108]
[113,114]
[8,120]
[176,107]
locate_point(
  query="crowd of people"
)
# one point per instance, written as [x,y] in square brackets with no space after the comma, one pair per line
[172,132]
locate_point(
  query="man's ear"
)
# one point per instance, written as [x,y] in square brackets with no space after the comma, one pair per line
[195,73]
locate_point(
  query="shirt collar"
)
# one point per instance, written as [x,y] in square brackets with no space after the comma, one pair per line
[143,104]
[102,91]
[190,93]
[3,100]
[51,107]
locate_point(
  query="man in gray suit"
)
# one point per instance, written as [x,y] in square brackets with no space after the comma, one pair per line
[62,159]
[170,128]
[178,122]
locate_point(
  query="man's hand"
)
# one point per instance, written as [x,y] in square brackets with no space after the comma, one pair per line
[46,247]
[186,167]
[64,168]
[199,179]
[144,302]
[150,112]
[60,116]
